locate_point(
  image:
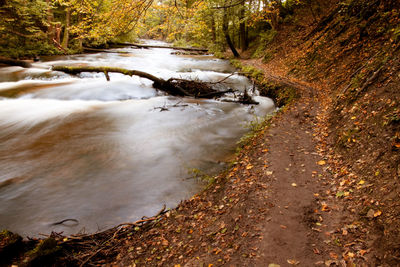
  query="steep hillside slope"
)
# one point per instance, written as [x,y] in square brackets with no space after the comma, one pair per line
[352,56]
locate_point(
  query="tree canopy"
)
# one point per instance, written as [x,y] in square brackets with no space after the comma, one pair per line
[31,27]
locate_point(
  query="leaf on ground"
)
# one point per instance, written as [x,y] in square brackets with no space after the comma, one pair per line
[321,162]
[361,182]
[340,194]
[377,213]
[325,207]
[350,254]
[294,184]
[164,242]
[273,265]
[333,255]
[330,262]
[269,173]
[249,166]
[293,262]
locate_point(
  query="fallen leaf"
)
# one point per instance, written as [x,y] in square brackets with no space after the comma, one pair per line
[361,182]
[333,255]
[273,265]
[294,184]
[269,173]
[377,213]
[325,207]
[340,194]
[293,262]
[329,262]
[249,166]
[283,226]
[165,242]
[321,162]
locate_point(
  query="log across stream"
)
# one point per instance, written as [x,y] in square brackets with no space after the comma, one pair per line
[99,153]
[172,86]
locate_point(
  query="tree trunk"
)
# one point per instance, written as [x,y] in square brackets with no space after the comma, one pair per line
[213,29]
[242,28]
[225,29]
[51,33]
[66,29]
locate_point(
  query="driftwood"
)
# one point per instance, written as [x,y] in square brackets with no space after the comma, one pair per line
[162,46]
[173,86]
[15,62]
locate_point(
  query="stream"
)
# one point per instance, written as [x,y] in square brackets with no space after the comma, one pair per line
[104,153]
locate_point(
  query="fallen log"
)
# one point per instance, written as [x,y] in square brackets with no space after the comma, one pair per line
[76,70]
[172,86]
[163,46]
[15,62]
[88,49]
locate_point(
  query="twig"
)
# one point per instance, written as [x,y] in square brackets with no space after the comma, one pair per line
[220,81]
[66,220]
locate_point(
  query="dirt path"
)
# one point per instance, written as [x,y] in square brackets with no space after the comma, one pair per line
[295,228]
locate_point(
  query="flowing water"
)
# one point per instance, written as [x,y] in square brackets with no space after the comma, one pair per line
[103,152]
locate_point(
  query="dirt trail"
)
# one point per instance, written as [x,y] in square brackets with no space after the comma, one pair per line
[295,228]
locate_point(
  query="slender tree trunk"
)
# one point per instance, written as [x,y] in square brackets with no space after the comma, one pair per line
[213,29]
[66,29]
[225,29]
[242,28]
[312,10]
[50,18]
